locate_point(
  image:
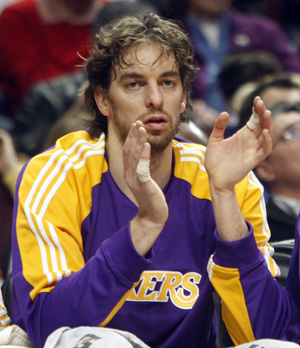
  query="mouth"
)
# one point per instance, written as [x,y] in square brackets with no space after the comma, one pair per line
[155,123]
[155,120]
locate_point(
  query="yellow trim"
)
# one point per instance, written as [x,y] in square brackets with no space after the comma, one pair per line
[226,281]
[117,307]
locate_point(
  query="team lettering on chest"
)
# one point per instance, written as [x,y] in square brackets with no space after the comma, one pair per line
[162,286]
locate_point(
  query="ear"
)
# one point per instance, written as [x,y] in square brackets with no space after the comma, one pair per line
[183,104]
[102,102]
[265,171]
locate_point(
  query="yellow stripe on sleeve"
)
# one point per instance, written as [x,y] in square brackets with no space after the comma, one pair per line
[226,281]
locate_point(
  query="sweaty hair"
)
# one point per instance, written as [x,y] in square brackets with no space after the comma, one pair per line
[113,42]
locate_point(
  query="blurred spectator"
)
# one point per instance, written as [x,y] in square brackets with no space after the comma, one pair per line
[45,103]
[120,8]
[41,40]
[251,6]
[6,122]
[10,165]
[280,88]
[5,3]
[239,68]
[269,8]
[288,17]
[216,29]
[280,172]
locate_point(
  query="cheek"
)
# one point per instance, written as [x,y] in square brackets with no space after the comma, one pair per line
[287,159]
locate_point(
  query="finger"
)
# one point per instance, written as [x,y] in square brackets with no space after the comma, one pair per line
[135,140]
[259,105]
[255,101]
[265,146]
[267,121]
[132,152]
[264,119]
[255,118]
[217,133]
[143,167]
[259,118]
[146,151]
[267,142]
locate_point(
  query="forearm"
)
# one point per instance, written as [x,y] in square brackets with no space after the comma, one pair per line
[248,291]
[144,233]
[89,296]
[230,222]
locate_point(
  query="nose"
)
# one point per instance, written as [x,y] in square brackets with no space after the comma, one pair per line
[154,97]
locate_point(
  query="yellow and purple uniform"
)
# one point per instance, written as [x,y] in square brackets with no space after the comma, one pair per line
[74,263]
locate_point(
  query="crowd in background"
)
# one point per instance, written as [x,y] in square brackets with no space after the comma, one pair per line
[242,48]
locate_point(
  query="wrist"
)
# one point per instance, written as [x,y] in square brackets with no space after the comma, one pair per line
[221,192]
[144,233]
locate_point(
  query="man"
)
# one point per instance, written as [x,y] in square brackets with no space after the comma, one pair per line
[116,226]
[280,171]
[280,88]
[56,34]
[216,29]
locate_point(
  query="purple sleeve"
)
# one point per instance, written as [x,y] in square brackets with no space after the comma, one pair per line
[267,35]
[87,297]
[242,264]
[293,287]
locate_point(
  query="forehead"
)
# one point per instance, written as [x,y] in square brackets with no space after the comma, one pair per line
[217,5]
[146,57]
[275,95]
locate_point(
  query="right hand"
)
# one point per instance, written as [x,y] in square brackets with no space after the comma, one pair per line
[153,208]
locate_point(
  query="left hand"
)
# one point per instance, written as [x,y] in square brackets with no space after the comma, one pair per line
[228,161]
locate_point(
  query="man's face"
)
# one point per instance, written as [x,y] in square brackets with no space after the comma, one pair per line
[208,8]
[285,157]
[149,89]
[77,7]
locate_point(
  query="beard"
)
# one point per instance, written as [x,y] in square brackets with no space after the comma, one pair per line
[158,142]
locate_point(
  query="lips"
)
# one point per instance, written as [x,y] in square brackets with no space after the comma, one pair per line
[155,123]
[155,119]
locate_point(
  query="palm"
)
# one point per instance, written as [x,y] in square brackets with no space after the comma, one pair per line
[228,161]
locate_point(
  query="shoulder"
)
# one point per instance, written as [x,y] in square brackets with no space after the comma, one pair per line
[248,21]
[75,153]
[189,166]
[186,152]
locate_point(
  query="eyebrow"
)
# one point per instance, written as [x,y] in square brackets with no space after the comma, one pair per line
[170,73]
[292,125]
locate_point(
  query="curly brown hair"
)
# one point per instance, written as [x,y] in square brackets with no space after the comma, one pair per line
[113,42]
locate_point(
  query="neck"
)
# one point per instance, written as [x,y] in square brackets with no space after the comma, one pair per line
[160,166]
[54,12]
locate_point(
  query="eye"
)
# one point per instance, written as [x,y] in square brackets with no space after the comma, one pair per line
[168,83]
[132,85]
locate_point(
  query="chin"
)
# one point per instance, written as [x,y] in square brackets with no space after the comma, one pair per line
[160,143]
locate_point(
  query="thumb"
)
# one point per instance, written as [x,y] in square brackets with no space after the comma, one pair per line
[217,133]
